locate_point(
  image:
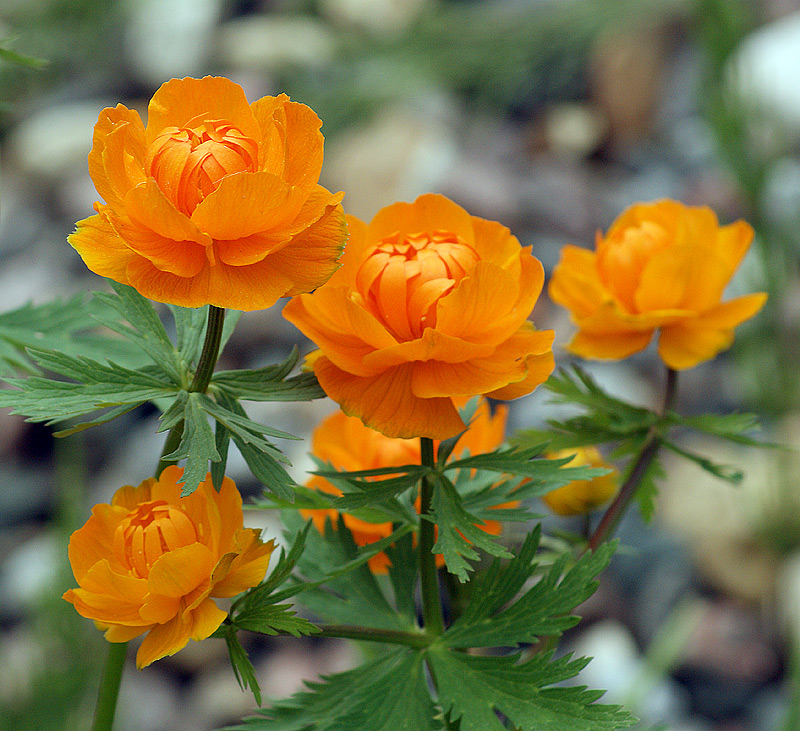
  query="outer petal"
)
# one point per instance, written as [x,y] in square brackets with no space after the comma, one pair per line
[357,244]
[251,287]
[432,346]
[147,205]
[494,243]
[490,303]
[271,151]
[179,101]
[429,212]
[246,204]
[248,566]
[101,248]
[695,340]
[125,152]
[94,540]
[108,596]
[179,572]
[539,362]
[611,346]
[312,256]
[576,284]
[304,141]
[344,331]
[386,402]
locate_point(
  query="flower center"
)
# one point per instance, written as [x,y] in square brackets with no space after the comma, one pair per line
[403,278]
[148,532]
[189,162]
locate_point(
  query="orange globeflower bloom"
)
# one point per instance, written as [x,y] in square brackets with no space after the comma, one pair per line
[347,444]
[581,496]
[215,201]
[430,304]
[151,561]
[661,266]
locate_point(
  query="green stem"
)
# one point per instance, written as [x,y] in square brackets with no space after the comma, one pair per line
[416,640]
[202,377]
[109,687]
[652,443]
[431,602]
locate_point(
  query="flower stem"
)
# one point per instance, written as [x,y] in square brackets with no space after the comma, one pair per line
[431,601]
[109,687]
[647,453]
[202,377]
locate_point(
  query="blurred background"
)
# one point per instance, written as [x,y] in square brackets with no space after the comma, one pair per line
[550,116]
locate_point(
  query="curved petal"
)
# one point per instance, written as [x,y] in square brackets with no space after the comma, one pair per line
[386,402]
[271,150]
[247,203]
[688,343]
[101,248]
[429,212]
[253,287]
[344,331]
[249,565]
[93,542]
[126,152]
[312,256]
[575,283]
[123,633]
[357,244]
[179,572]
[433,346]
[185,258]
[108,596]
[162,640]
[490,303]
[611,346]
[180,101]
[147,205]
[733,242]
[494,243]
[539,363]
[304,143]
[205,619]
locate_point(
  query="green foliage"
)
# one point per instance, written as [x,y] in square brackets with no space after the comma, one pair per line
[498,617]
[388,693]
[472,689]
[628,429]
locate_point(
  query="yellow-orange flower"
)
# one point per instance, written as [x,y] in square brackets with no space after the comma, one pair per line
[216,201]
[661,266]
[581,496]
[347,444]
[430,304]
[151,561]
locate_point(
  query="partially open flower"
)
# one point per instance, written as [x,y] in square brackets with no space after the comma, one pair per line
[347,444]
[215,201]
[430,304]
[662,267]
[582,496]
[151,561]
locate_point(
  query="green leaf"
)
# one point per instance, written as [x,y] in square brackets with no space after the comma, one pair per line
[270,383]
[100,386]
[197,446]
[222,441]
[337,584]
[190,328]
[494,618]
[145,330]
[731,427]
[458,532]
[473,689]
[6,54]
[274,619]
[242,667]
[388,693]
[730,474]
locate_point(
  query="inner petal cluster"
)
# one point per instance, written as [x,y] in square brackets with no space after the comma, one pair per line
[404,276]
[149,531]
[188,162]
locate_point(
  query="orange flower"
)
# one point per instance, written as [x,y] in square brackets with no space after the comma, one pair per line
[430,304]
[347,444]
[151,561]
[581,496]
[216,201]
[661,266]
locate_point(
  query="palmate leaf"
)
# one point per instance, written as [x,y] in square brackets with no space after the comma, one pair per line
[274,619]
[458,533]
[472,689]
[242,667]
[388,693]
[494,618]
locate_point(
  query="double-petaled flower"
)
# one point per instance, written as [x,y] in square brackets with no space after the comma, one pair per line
[430,304]
[662,267]
[151,561]
[215,201]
